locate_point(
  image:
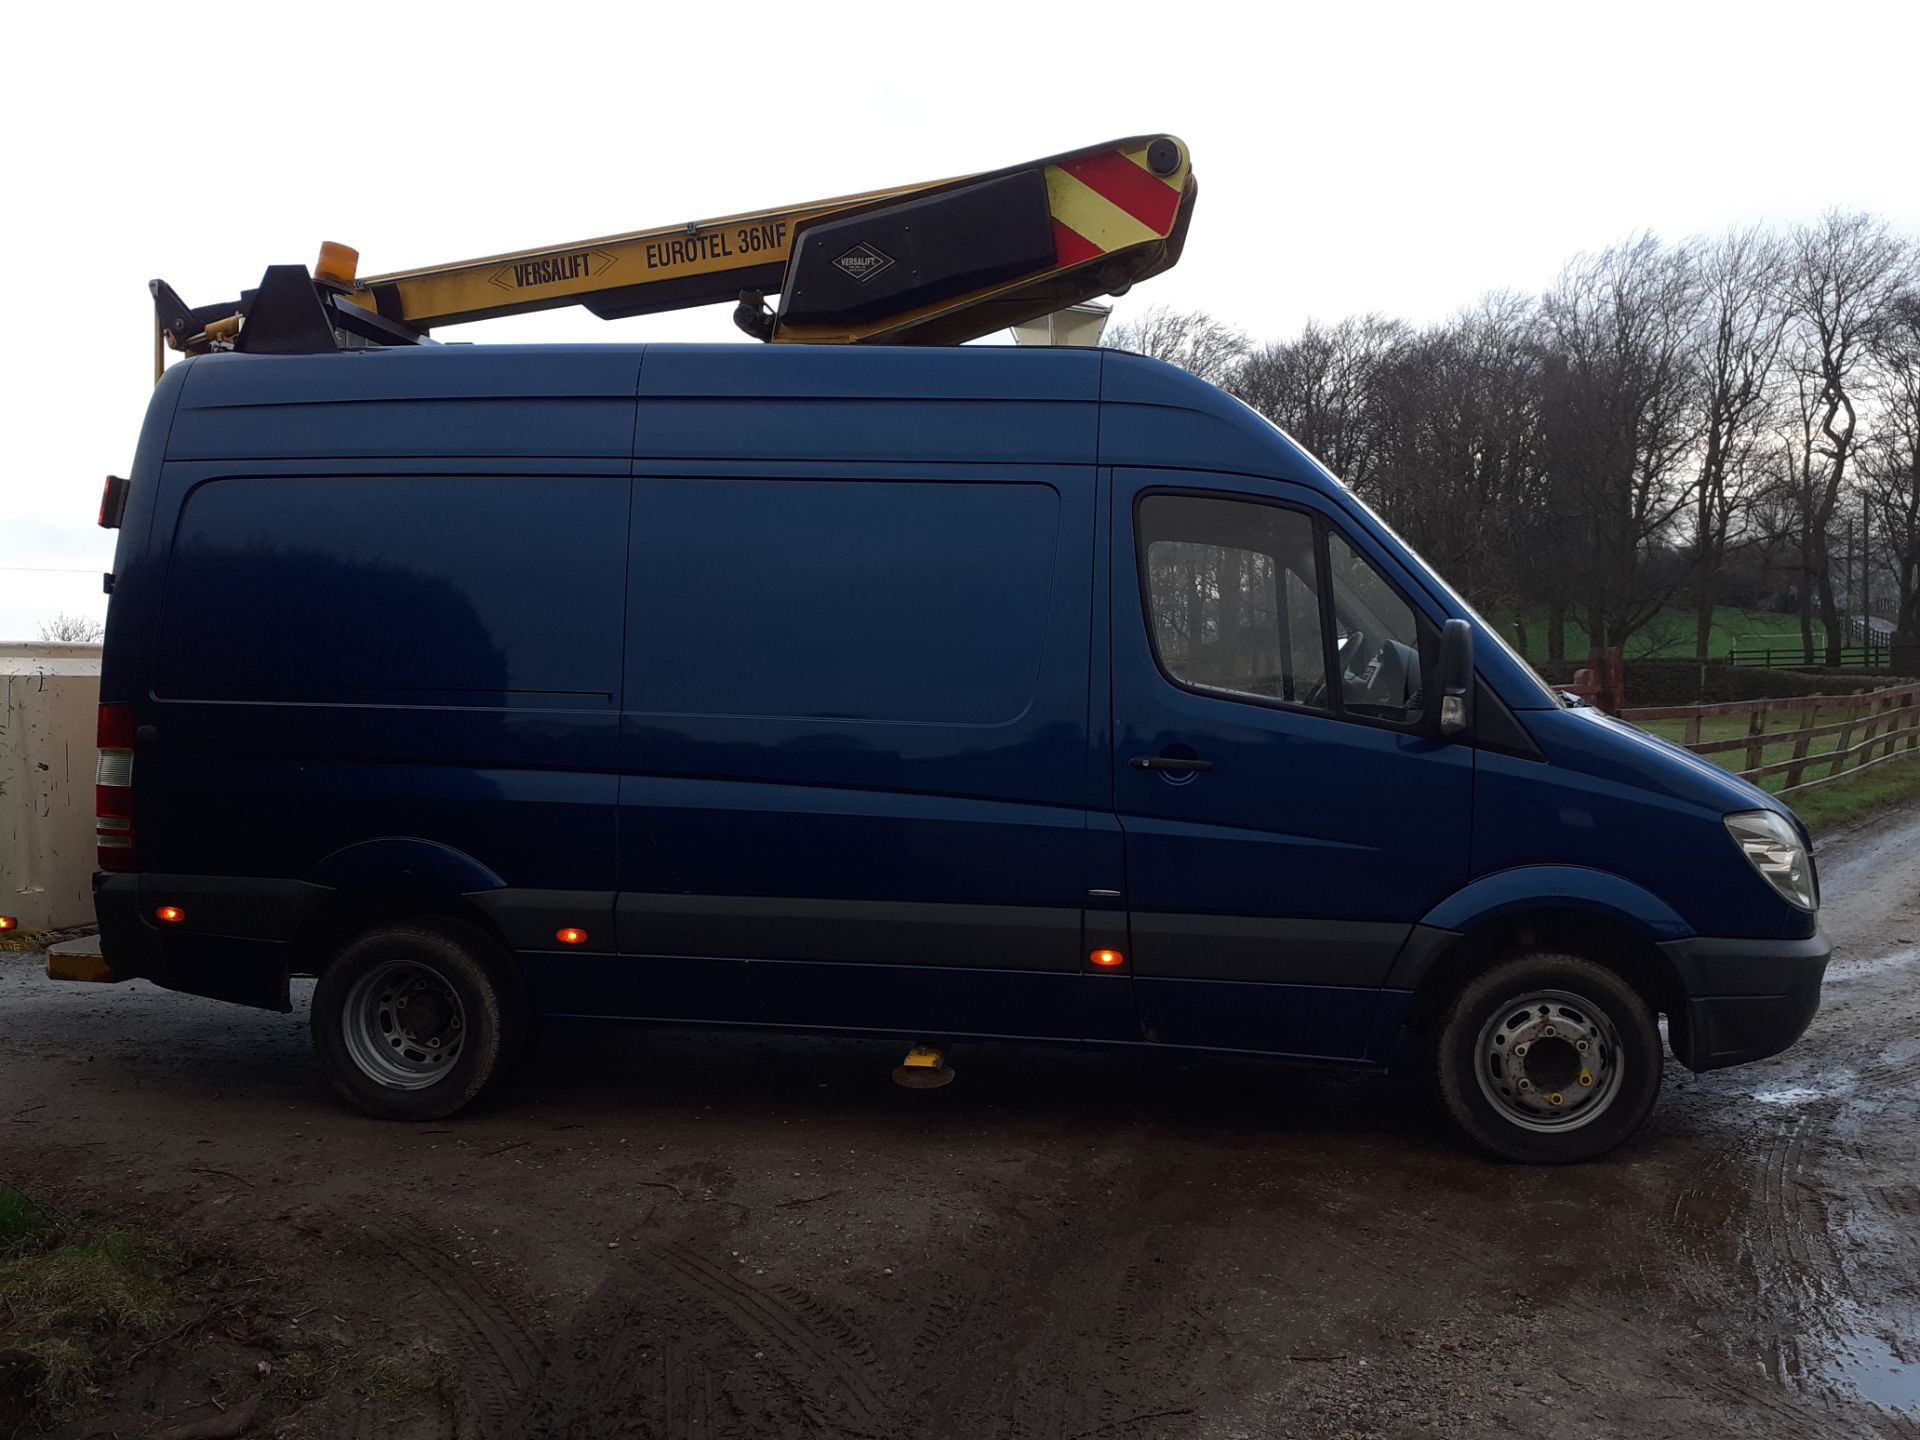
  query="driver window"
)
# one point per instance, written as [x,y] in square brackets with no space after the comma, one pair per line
[1375,638]
[1234,602]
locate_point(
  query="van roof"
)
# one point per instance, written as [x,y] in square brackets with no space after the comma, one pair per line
[261,406]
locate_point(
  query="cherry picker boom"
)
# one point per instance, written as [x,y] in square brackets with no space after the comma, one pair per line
[931,264]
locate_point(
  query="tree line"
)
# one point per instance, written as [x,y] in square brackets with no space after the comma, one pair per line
[1725,420]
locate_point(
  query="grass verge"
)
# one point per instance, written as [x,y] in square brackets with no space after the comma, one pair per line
[70,1291]
[1858,797]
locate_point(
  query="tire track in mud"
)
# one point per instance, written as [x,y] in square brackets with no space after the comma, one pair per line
[1833,1245]
[677,1343]
[496,1359]
[1063,1329]
[818,1352]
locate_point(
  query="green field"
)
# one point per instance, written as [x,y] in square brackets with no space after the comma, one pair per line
[1731,727]
[1670,635]
[1830,807]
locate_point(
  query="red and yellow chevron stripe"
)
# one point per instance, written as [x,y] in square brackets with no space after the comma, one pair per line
[1111,200]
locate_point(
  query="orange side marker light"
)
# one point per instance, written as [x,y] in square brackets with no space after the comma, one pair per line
[568,935]
[1108,959]
[9,922]
[169,914]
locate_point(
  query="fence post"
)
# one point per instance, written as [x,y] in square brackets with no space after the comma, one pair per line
[1691,736]
[1873,725]
[1846,743]
[1756,727]
[1800,744]
[1913,725]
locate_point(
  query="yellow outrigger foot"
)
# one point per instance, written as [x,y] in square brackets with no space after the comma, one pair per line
[79,960]
[925,1068]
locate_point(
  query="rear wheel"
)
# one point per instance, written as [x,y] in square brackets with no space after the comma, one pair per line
[1549,1059]
[413,1020]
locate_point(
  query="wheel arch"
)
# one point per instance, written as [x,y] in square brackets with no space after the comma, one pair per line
[1452,959]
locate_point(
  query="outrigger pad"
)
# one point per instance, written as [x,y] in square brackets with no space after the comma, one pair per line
[286,316]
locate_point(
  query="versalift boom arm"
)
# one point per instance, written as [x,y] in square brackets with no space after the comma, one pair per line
[937,263]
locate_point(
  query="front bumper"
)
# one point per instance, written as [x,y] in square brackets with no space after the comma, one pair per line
[1744,999]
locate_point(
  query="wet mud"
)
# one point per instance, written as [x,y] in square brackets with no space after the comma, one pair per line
[663,1234]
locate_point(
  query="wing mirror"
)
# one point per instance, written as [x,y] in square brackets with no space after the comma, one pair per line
[1453,682]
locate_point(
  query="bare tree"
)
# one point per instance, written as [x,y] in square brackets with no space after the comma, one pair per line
[1842,277]
[1622,418]
[1742,324]
[1191,339]
[1323,389]
[1890,468]
[1458,427]
[72,629]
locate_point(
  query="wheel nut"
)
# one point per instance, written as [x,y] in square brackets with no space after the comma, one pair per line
[1555,1098]
[1520,1049]
[1586,1078]
[1581,1046]
[1547,1030]
[1526,1084]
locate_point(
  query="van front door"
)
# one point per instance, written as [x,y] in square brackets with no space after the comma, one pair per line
[1287,817]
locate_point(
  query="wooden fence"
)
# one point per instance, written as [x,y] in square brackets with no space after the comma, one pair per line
[1884,720]
[1862,657]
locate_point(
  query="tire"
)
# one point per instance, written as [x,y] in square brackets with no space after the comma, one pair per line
[413,1020]
[1549,1059]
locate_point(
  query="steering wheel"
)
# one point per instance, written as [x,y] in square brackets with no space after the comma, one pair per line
[1350,644]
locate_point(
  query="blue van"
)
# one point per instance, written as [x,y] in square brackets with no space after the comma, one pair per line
[922,693]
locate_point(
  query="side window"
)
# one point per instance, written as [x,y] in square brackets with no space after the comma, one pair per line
[1376,637]
[1233,596]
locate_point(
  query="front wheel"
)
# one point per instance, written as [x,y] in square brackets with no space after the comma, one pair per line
[1549,1059]
[411,1020]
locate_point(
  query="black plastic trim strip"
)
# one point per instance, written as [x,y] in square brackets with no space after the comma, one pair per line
[877,932]
[1265,950]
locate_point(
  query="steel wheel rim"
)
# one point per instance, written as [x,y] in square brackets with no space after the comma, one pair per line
[1549,1061]
[404,1025]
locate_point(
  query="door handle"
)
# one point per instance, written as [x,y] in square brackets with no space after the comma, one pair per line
[1171,764]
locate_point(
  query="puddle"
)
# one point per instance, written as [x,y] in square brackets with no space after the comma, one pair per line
[1835,1085]
[1869,1367]
[1848,968]
[1788,1095]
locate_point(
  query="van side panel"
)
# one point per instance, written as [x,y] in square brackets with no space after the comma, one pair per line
[354,651]
[349,656]
[855,748]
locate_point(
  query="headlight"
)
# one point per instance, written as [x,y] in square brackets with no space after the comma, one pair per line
[1769,840]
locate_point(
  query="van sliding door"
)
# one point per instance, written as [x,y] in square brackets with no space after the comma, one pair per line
[854,748]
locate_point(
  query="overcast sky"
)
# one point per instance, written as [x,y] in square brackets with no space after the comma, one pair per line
[1402,158]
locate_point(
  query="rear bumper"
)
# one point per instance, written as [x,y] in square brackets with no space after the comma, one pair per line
[234,943]
[1746,999]
[130,946]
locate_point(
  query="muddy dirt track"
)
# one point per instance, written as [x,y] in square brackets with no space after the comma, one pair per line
[674,1234]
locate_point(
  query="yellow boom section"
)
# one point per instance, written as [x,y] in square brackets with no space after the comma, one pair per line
[935,263]
[715,259]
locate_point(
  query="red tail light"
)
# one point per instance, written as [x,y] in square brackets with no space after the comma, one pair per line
[113,502]
[113,791]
